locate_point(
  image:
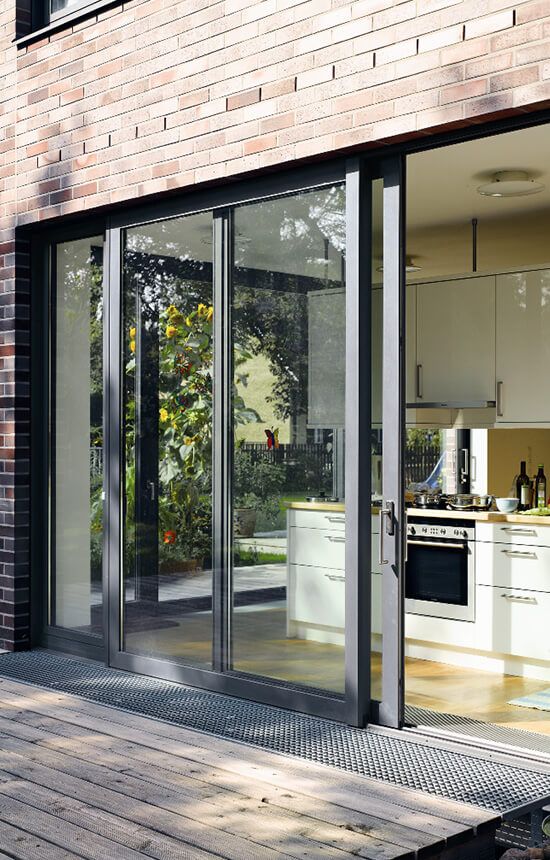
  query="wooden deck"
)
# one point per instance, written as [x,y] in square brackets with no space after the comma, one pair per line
[78,779]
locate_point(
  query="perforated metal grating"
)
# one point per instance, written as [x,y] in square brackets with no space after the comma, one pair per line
[397,760]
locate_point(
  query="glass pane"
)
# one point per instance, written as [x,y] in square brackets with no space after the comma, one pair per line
[77,436]
[288,320]
[167,343]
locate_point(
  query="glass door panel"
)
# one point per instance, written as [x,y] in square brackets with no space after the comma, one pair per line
[288,351]
[167,345]
[76,437]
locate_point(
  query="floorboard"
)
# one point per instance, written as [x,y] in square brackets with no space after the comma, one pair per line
[79,779]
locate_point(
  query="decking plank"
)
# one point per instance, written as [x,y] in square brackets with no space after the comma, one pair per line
[142,839]
[296,835]
[435,827]
[24,846]
[169,771]
[307,777]
[26,761]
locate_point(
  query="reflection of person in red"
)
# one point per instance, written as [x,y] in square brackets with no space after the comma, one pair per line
[169,537]
[272,438]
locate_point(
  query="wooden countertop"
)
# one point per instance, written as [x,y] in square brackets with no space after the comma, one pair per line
[479,516]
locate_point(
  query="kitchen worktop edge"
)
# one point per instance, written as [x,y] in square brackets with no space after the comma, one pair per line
[479,516]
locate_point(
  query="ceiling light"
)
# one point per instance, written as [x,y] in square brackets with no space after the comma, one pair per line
[410,265]
[510,183]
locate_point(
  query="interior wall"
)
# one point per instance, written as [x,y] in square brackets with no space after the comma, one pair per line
[506,448]
[502,243]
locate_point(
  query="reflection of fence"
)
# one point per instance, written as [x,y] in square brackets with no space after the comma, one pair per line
[420,461]
[306,466]
[309,466]
[96,462]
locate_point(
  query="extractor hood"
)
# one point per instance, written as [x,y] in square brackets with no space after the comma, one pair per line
[453,404]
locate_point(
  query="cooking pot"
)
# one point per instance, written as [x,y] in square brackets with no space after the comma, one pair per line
[469,502]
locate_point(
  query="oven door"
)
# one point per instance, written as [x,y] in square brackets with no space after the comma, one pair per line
[439,579]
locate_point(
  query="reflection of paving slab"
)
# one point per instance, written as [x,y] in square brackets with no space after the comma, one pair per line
[264,542]
[174,587]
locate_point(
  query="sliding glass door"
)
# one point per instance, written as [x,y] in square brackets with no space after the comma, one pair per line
[225,428]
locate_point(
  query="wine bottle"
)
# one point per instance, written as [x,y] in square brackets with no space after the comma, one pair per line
[540,488]
[523,488]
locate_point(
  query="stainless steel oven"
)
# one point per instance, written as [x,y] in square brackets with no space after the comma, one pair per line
[440,570]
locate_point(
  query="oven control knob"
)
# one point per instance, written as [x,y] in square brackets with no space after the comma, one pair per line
[412,530]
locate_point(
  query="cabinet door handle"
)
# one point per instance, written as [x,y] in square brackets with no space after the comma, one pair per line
[517,554]
[500,386]
[419,386]
[520,599]
[334,578]
[335,539]
[519,531]
[336,519]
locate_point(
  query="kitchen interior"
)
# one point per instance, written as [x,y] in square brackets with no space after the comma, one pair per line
[478,386]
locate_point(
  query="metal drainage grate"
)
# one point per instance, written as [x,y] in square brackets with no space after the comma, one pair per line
[519,738]
[397,760]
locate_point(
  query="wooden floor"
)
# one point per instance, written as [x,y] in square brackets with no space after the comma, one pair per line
[78,779]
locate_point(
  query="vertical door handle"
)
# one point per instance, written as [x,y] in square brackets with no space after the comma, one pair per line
[419,386]
[500,386]
[152,489]
[386,515]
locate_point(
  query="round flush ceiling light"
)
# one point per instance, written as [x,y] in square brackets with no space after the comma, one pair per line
[510,183]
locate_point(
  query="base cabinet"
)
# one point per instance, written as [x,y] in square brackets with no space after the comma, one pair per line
[513,621]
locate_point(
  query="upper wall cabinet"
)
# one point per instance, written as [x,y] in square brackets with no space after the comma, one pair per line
[523,347]
[455,348]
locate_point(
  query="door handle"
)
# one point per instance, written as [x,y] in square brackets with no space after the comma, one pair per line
[386,515]
[500,386]
[419,387]
[152,490]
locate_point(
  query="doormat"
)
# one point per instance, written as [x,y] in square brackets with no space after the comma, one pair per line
[540,701]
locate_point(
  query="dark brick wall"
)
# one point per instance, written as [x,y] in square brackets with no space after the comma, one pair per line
[14,445]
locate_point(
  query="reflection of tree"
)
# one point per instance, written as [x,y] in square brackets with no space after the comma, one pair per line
[300,240]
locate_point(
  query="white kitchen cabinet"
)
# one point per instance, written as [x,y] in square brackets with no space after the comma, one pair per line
[318,548]
[523,347]
[513,621]
[513,566]
[455,347]
[514,534]
[317,596]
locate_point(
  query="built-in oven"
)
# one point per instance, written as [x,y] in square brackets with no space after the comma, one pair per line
[440,569]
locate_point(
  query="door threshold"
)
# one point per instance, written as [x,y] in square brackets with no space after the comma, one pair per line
[518,743]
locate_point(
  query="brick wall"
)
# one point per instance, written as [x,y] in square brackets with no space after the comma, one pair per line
[157,95]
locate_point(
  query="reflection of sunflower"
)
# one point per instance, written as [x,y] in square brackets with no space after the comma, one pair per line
[174,315]
[209,313]
[132,346]
[202,310]
[163,415]
[171,330]
[133,333]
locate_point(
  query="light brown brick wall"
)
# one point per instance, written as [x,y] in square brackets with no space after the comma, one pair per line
[161,94]
[157,95]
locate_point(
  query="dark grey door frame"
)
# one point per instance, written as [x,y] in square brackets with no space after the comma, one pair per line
[393,517]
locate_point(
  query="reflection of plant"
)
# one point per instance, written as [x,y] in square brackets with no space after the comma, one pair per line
[258,484]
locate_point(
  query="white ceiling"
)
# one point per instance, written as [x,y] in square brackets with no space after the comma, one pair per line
[442,183]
